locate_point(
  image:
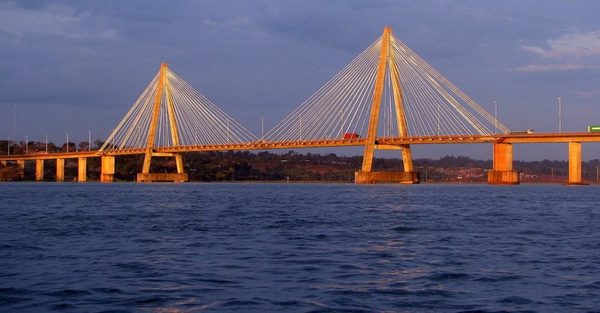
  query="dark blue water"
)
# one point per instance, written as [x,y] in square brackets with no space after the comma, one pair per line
[298,248]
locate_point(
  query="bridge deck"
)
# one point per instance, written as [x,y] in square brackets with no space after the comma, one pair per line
[390,141]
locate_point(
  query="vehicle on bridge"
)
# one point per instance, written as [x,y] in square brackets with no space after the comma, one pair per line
[593,128]
[348,136]
[529,131]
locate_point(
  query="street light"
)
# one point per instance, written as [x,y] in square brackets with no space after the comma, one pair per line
[228,132]
[341,125]
[7,145]
[559,115]
[495,116]
[262,128]
[438,120]
[67,142]
[89,140]
[300,127]
[26,145]
[46,142]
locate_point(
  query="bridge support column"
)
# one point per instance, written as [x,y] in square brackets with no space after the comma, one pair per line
[60,170]
[163,91]
[373,177]
[179,177]
[366,175]
[107,173]
[39,170]
[82,170]
[575,164]
[503,173]
[179,163]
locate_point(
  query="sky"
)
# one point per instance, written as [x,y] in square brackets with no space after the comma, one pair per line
[77,66]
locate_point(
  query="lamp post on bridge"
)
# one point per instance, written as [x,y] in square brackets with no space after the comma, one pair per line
[228,132]
[26,145]
[89,140]
[46,135]
[495,117]
[7,145]
[559,115]
[67,142]
[300,127]
[438,120]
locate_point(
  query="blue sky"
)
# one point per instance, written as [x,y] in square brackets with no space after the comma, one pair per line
[74,66]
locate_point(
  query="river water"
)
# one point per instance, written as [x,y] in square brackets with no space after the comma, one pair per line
[127,247]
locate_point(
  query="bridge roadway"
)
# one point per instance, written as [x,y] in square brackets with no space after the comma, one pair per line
[502,149]
[383,142]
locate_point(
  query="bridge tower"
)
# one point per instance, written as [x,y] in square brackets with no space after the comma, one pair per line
[169,117]
[366,175]
[163,91]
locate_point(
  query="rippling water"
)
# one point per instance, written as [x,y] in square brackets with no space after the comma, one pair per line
[298,248]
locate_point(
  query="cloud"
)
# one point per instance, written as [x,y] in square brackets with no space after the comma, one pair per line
[587,94]
[233,22]
[575,44]
[538,68]
[52,20]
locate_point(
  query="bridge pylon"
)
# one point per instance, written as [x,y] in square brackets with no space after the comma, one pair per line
[163,93]
[386,69]
[387,92]
[168,117]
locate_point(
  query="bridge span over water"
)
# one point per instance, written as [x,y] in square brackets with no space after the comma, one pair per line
[387,98]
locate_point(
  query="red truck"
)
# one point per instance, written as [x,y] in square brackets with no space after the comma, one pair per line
[348,136]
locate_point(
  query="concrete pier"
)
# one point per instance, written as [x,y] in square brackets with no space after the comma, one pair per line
[82,170]
[503,173]
[60,170]
[107,174]
[162,177]
[39,170]
[575,164]
[374,177]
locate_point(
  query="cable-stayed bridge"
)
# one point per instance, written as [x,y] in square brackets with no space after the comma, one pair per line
[387,98]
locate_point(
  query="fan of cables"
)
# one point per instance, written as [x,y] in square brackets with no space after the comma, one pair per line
[197,120]
[431,104]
